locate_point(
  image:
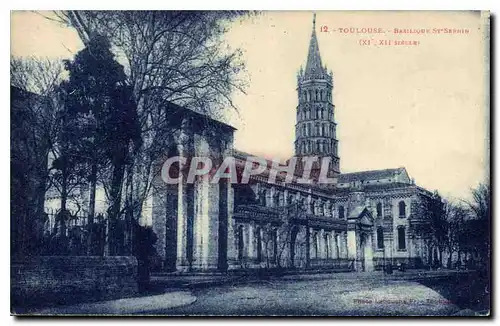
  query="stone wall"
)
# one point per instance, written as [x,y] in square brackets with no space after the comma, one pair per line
[50,280]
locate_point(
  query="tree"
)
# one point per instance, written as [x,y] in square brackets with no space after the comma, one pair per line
[478,227]
[169,56]
[34,107]
[97,91]
[456,233]
[434,227]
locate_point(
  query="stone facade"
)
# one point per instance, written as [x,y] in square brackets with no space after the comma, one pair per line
[360,222]
[192,220]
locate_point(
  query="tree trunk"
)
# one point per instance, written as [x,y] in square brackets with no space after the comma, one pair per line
[440,257]
[450,251]
[93,182]
[114,209]
[64,196]
[130,208]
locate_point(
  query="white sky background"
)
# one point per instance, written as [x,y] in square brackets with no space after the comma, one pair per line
[420,107]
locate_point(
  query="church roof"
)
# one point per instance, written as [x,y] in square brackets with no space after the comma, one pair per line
[369,175]
[201,120]
[313,65]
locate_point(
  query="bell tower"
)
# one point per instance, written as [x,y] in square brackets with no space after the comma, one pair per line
[315,130]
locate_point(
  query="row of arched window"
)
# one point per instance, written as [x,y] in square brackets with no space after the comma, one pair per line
[316,95]
[317,207]
[269,246]
[318,113]
[322,208]
[266,245]
[319,146]
[401,237]
[401,209]
[316,129]
[327,238]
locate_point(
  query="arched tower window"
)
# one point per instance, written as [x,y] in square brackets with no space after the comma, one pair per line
[262,198]
[379,210]
[401,238]
[402,209]
[341,212]
[317,95]
[321,95]
[380,238]
[316,245]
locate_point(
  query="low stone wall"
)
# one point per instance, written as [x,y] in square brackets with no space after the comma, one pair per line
[52,280]
[330,263]
[413,262]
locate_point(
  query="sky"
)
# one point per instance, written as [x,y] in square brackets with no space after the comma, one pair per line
[423,106]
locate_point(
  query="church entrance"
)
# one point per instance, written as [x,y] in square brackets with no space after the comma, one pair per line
[359,238]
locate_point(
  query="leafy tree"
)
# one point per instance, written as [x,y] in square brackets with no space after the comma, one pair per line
[101,118]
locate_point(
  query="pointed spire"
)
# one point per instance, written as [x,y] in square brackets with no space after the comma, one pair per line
[313,65]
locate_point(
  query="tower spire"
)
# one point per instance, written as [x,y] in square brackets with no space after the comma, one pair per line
[313,65]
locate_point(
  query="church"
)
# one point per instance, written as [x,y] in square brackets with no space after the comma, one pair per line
[361,222]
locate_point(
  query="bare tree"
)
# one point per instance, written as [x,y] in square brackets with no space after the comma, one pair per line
[434,227]
[169,56]
[457,217]
[34,128]
[481,201]
[478,227]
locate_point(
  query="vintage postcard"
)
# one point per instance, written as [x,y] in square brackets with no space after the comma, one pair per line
[236,163]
